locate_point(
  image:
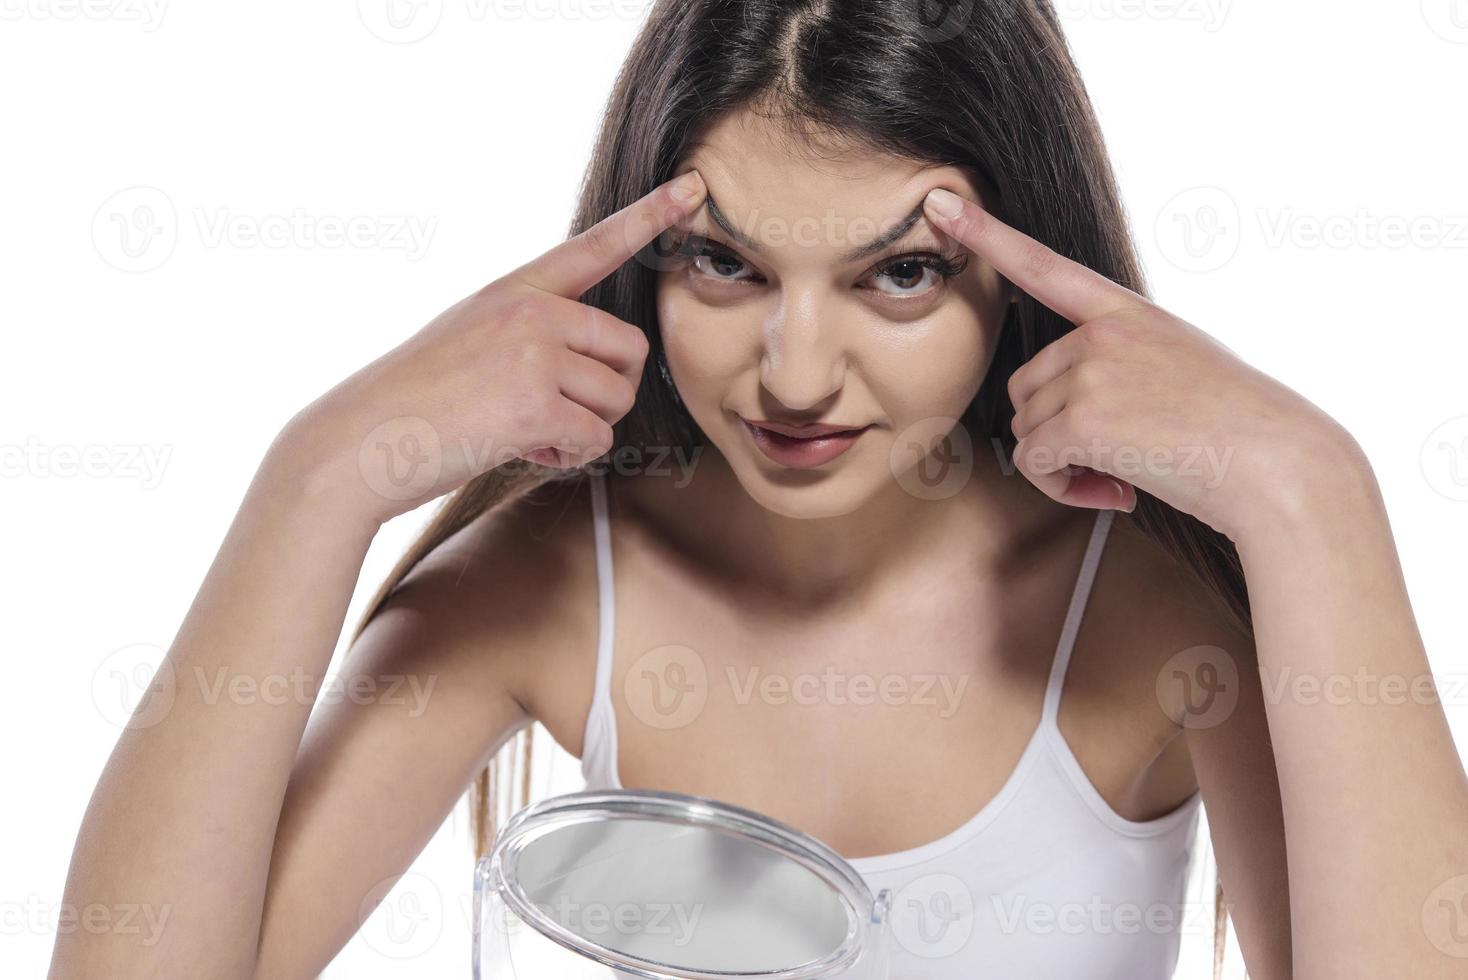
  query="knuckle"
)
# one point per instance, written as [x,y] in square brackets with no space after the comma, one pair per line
[592,324]
[523,412]
[602,434]
[601,240]
[626,397]
[594,436]
[1013,386]
[535,380]
[640,343]
[521,311]
[1039,259]
[1105,331]
[1089,376]
[1086,416]
[530,360]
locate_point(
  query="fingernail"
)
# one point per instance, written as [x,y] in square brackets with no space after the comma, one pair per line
[946,203]
[687,187]
[1121,496]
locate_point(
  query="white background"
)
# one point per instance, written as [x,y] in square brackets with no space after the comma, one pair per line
[1238,130]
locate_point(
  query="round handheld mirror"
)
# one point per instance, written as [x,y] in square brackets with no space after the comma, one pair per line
[668,886]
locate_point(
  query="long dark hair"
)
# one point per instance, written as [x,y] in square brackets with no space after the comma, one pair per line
[986,85]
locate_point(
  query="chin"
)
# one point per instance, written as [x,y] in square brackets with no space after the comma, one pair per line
[808,494]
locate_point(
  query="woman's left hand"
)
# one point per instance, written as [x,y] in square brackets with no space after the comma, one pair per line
[1138,394]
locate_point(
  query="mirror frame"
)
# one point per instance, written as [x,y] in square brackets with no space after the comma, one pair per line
[496,871]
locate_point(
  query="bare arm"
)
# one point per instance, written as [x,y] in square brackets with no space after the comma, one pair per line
[188,815]
[1219,702]
[432,683]
[182,822]
[1373,789]
[437,674]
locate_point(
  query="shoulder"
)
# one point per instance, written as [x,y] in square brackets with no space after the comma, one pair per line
[1150,611]
[511,596]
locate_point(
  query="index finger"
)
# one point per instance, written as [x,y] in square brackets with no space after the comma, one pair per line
[577,264]
[1075,292]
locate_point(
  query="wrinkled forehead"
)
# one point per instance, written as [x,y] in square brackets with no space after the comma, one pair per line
[778,188]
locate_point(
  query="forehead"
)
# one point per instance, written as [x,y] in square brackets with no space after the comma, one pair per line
[759,172]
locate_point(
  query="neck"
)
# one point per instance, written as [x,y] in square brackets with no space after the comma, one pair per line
[846,557]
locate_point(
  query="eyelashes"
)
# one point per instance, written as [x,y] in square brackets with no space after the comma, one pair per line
[944,267]
[896,270]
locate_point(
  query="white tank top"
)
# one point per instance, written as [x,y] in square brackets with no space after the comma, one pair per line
[1045,882]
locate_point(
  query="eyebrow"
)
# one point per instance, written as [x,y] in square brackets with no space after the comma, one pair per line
[895,233]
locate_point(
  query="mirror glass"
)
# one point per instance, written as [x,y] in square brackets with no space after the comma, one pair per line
[689,896]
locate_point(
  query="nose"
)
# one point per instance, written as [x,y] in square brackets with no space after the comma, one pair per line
[804,358]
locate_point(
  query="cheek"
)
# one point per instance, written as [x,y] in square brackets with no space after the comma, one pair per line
[935,368]
[705,345]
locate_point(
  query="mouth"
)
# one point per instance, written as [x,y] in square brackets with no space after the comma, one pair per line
[801,447]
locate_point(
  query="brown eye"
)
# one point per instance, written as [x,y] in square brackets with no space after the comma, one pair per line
[906,276]
[713,261]
[719,265]
[916,275]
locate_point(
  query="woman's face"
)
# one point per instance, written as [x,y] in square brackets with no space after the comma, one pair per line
[820,308]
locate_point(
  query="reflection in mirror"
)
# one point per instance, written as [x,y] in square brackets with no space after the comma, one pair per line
[613,884]
[687,896]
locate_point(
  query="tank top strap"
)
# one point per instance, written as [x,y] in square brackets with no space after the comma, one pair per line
[605,603]
[599,742]
[1074,613]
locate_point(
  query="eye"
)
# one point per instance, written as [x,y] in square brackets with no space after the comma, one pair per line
[916,275]
[715,261]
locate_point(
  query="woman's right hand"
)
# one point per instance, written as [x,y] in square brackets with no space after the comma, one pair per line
[518,370]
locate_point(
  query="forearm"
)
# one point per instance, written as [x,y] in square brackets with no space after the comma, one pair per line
[1374,795]
[182,822]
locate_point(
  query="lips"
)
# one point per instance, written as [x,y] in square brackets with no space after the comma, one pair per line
[809,431]
[804,446]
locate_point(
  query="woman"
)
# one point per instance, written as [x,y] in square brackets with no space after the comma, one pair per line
[995,387]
